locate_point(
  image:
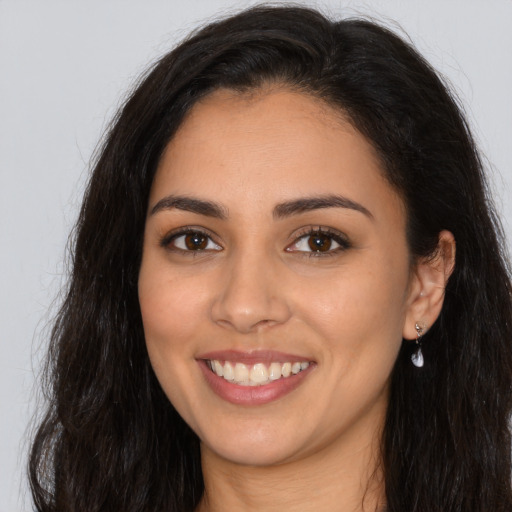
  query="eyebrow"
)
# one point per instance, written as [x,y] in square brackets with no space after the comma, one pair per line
[281,211]
[307,204]
[191,204]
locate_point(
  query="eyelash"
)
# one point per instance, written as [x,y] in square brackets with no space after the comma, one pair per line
[171,237]
[332,235]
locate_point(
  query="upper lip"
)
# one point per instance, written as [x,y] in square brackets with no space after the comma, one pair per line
[253,357]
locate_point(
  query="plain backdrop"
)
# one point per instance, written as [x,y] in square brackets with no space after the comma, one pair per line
[65,66]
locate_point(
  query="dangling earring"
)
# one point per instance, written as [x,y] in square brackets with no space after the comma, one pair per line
[417,356]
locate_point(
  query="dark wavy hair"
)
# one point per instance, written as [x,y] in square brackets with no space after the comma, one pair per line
[110,439]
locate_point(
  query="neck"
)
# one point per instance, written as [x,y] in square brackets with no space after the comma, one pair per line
[345,480]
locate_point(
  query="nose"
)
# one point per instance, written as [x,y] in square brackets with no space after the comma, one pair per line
[252,296]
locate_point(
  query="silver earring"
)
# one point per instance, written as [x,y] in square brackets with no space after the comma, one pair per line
[417,356]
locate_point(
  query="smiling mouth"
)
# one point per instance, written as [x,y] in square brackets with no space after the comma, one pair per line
[258,374]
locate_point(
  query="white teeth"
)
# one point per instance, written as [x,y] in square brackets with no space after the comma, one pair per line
[275,371]
[227,371]
[217,367]
[256,375]
[241,373]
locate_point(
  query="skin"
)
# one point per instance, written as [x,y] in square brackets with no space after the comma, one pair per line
[257,285]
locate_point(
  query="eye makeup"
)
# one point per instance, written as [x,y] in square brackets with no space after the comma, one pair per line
[310,241]
[190,239]
[319,241]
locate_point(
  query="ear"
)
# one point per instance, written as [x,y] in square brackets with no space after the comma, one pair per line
[428,283]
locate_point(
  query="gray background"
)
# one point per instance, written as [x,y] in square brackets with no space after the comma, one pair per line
[64,68]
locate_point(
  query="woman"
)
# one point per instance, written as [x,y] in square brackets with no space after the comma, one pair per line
[289,288]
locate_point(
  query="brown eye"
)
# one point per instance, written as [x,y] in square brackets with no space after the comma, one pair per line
[192,241]
[196,241]
[319,242]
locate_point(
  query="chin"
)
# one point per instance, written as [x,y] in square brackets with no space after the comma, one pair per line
[259,451]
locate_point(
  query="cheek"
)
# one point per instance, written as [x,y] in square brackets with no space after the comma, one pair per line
[170,315]
[170,309]
[359,313]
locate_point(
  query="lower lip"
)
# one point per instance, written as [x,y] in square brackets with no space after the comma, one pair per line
[252,395]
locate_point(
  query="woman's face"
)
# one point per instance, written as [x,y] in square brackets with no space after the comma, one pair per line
[275,279]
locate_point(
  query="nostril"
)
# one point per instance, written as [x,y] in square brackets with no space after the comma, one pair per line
[246,326]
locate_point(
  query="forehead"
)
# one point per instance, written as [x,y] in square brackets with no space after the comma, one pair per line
[272,118]
[269,146]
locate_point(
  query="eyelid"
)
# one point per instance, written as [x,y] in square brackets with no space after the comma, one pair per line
[337,236]
[187,230]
